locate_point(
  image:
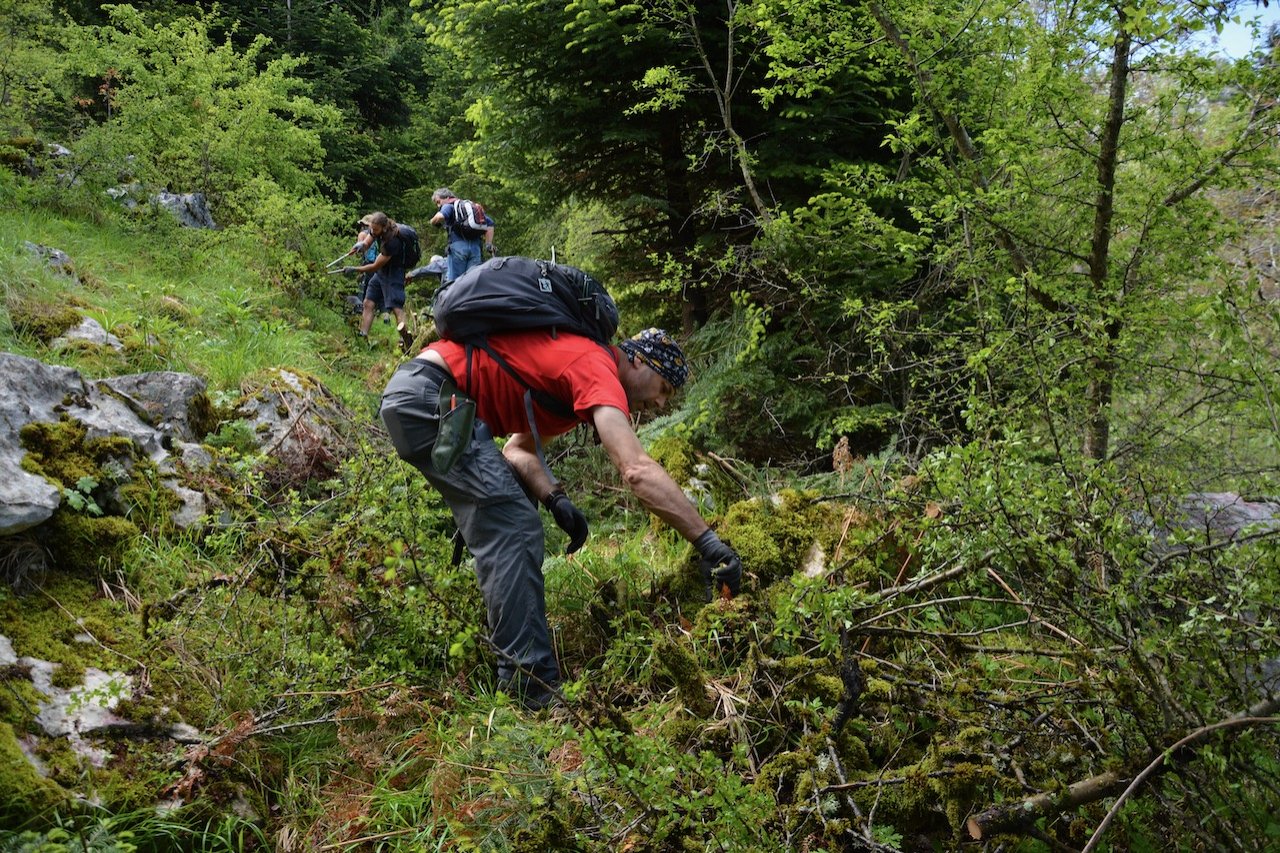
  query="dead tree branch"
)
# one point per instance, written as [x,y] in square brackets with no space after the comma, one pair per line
[1021,813]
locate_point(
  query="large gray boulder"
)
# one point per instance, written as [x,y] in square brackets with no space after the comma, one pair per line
[148,409]
[164,398]
[29,390]
[1213,517]
[56,259]
[190,209]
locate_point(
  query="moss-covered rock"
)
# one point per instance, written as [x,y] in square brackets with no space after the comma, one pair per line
[63,454]
[42,321]
[25,795]
[774,536]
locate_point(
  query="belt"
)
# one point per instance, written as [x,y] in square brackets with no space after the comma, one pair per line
[421,365]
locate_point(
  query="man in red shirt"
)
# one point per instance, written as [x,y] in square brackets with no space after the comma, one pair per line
[489,489]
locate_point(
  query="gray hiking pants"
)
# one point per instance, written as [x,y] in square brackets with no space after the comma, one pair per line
[498,522]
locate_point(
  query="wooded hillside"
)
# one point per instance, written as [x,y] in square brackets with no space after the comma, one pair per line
[982,307]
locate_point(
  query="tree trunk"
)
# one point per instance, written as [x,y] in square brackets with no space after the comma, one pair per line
[1097,429]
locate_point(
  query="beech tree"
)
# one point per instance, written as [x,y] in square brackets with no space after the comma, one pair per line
[1079,160]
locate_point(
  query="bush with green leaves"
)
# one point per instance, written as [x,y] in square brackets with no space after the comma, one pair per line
[184,113]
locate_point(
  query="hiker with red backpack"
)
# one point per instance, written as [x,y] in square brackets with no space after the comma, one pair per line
[486,378]
[469,229]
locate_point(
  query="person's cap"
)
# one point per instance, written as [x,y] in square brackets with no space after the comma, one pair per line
[367,219]
[659,351]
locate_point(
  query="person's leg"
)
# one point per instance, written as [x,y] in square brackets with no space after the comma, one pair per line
[473,255]
[366,317]
[395,302]
[499,524]
[395,293]
[402,329]
[456,263]
[507,542]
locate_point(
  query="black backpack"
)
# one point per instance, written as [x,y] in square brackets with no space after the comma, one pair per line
[410,248]
[510,293]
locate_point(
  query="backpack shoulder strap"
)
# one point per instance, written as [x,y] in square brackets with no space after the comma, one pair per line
[552,404]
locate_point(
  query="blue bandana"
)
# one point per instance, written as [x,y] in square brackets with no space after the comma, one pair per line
[659,351]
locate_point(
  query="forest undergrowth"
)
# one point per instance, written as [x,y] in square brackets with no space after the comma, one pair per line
[915,661]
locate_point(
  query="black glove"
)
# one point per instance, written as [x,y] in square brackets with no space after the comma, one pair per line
[720,564]
[568,517]
[350,270]
[488,247]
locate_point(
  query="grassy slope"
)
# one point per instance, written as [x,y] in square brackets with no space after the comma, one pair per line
[185,300]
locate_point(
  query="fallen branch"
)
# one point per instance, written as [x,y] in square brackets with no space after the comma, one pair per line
[1156,763]
[1022,812]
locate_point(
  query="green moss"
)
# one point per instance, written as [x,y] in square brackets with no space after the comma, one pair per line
[551,828]
[202,416]
[690,681]
[963,776]
[19,699]
[877,689]
[147,709]
[63,454]
[729,629]
[46,625]
[790,777]
[774,536]
[675,454]
[24,793]
[68,675]
[85,544]
[852,748]
[680,731]
[42,321]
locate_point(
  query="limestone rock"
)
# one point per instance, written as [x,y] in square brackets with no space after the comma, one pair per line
[190,209]
[91,331]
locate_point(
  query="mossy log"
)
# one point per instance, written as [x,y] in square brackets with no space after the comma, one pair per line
[1020,813]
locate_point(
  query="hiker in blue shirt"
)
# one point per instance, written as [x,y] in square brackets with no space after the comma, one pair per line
[367,247]
[466,248]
